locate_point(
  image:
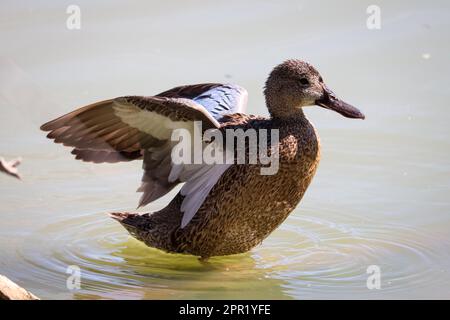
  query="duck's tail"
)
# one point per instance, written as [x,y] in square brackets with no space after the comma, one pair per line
[133,222]
[156,234]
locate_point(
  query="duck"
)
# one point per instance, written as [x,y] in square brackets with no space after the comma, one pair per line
[221,209]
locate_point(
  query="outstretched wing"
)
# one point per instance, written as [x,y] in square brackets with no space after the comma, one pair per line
[127,124]
[134,127]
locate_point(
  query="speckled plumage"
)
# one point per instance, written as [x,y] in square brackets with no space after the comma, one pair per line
[243,207]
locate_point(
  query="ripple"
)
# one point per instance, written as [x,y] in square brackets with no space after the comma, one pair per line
[333,257]
[115,265]
[308,257]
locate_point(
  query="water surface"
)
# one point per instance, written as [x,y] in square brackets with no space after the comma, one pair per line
[380,196]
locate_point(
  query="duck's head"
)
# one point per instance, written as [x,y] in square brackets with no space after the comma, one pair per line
[295,84]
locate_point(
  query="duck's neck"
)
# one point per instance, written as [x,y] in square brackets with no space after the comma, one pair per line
[294,116]
[282,110]
[298,116]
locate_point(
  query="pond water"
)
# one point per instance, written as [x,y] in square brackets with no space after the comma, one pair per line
[380,196]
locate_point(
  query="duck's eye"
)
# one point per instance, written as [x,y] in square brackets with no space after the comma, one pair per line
[320,79]
[304,81]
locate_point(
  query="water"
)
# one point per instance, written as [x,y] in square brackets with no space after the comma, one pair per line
[380,197]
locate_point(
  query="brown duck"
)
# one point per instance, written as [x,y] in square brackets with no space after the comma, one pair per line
[221,209]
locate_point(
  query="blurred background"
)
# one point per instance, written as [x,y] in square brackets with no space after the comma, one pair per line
[380,196]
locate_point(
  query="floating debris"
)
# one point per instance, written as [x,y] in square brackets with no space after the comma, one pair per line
[10,167]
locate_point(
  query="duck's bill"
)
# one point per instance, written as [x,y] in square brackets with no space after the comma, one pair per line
[330,101]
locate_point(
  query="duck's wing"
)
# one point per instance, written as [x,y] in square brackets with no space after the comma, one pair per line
[134,127]
[218,99]
[99,133]
[125,126]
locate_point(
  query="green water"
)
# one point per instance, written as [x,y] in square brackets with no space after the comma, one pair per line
[380,196]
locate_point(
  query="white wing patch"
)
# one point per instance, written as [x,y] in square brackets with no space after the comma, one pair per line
[199,182]
[200,179]
[243,100]
[150,122]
